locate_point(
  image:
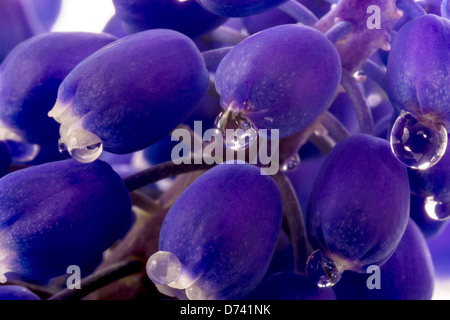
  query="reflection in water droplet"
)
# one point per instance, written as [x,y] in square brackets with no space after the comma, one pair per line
[322,270]
[82,146]
[63,149]
[360,76]
[163,267]
[87,154]
[291,164]
[238,132]
[416,145]
[436,210]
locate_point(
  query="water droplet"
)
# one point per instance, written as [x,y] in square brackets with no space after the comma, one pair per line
[416,145]
[63,149]
[82,146]
[291,164]
[436,210]
[360,76]
[195,293]
[238,132]
[163,267]
[322,270]
[87,154]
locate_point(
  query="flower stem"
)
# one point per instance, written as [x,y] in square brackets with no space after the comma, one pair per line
[359,102]
[411,8]
[376,73]
[339,31]
[299,12]
[294,216]
[161,171]
[226,35]
[213,57]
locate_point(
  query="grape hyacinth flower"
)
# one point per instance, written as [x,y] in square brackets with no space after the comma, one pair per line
[407,275]
[308,72]
[220,246]
[343,219]
[29,80]
[130,94]
[59,214]
[238,8]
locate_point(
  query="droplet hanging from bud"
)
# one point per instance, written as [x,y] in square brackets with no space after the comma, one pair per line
[291,164]
[436,210]
[415,144]
[163,267]
[322,270]
[238,132]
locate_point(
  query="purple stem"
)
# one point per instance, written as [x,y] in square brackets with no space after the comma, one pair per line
[299,12]
[214,57]
[444,9]
[294,216]
[160,172]
[227,35]
[339,31]
[376,73]
[411,8]
[359,102]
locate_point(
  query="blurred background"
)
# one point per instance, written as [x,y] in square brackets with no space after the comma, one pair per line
[84,15]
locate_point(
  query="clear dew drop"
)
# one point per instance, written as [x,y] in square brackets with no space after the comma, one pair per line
[195,293]
[163,267]
[238,132]
[436,210]
[81,145]
[87,154]
[291,164]
[322,270]
[63,149]
[416,145]
[360,76]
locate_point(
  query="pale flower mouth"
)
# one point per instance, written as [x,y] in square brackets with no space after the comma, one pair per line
[7,259]
[80,144]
